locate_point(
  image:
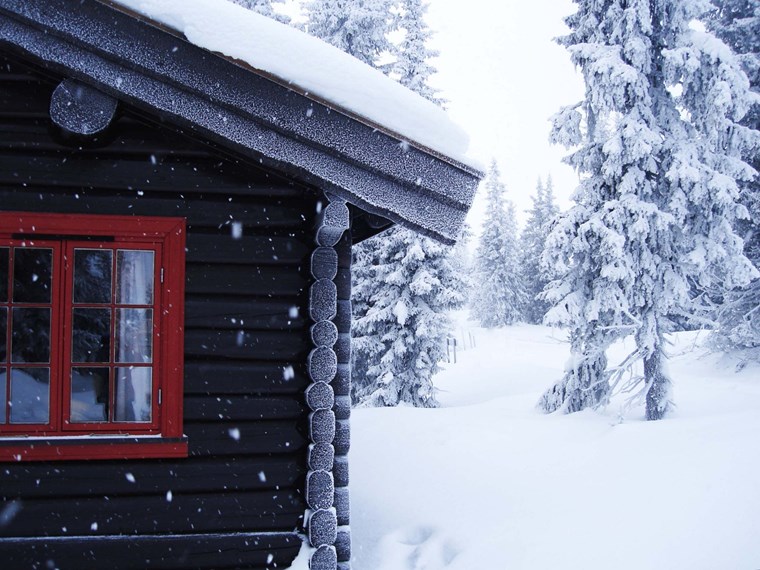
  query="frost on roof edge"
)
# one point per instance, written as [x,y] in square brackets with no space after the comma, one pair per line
[313,68]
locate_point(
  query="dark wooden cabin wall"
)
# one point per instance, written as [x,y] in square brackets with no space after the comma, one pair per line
[244,417]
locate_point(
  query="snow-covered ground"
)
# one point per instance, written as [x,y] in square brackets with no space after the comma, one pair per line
[486,482]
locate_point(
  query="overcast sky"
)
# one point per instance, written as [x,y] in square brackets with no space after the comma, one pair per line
[504,77]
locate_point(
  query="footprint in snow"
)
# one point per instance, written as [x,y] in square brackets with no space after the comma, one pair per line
[428,549]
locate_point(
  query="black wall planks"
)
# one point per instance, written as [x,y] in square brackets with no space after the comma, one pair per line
[250,235]
[236,438]
[263,511]
[220,551]
[230,377]
[127,478]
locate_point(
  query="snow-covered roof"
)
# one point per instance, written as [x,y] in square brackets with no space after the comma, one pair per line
[313,67]
[266,91]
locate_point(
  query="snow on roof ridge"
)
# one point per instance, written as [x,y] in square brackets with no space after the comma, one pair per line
[313,67]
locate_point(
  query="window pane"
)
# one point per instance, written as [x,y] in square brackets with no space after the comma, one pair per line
[134,389]
[30,395]
[30,335]
[3,393]
[89,395]
[3,334]
[32,268]
[91,335]
[4,251]
[134,282]
[92,275]
[134,335]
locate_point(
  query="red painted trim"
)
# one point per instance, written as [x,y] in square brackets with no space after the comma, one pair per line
[52,450]
[173,307]
[164,236]
[139,228]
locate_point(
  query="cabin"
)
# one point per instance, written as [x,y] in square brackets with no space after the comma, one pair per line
[177,211]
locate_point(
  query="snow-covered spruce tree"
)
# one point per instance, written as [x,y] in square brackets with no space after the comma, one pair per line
[532,240]
[460,259]
[358,27]
[265,8]
[405,287]
[498,295]
[737,23]
[412,55]
[535,276]
[364,347]
[659,152]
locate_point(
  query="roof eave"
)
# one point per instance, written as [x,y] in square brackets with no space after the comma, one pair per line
[247,112]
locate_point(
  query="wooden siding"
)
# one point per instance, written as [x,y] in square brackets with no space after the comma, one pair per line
[245,315]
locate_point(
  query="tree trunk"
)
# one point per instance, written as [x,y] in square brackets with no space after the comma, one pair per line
[658,384]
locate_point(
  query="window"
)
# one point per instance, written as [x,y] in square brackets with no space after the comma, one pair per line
[91,345]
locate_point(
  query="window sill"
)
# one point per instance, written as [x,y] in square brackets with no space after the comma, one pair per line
[93,447]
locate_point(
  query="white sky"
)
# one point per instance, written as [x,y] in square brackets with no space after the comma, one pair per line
[504,76]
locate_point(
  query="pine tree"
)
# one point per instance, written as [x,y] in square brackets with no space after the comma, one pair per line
[737,23]
[498,295]
[411,65]
[364,346]
[460,259]
[653,216]
[358,27]
[549,206]
[405,288]
[535,276]
[265,8]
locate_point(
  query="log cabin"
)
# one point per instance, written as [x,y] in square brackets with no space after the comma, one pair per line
[176,224]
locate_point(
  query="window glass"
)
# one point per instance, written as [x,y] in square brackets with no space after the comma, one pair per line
[92,275]
[32,271]
[134,335]
[91,335]
[134,390]
[134,283]
[30,395]
[89,394]
[3,334]
[4,252]
[30,335]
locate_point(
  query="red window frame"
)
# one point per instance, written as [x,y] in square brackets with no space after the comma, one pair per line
[61,438]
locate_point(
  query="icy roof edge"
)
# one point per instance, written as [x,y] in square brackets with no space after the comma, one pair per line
[315,69]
